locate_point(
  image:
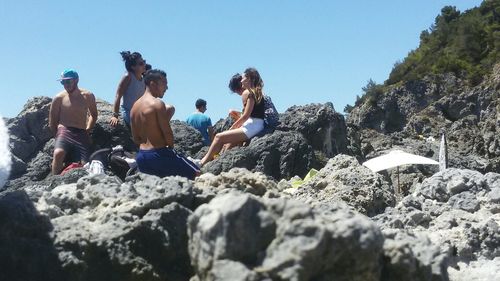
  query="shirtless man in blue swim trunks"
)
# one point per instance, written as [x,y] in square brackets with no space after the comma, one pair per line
[150,124]
[69,123]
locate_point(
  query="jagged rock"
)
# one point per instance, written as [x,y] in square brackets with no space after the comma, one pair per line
[343,178]
[280,155]
[18,167]
[223,125]
[476,271]
[453,208]
[106,136]
[440,103]
[391,111]
[281,239]
[27,250]
[237,179]
[28,133]
[324,128]
[412,256]
[108,230]
[187,140]
[29,130]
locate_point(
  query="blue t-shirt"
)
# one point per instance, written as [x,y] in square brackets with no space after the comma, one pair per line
[201,122]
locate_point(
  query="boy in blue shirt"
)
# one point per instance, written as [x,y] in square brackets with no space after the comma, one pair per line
[202,122]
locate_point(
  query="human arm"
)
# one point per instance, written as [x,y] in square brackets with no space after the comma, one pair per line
[211,133]
[210,130]
[91,104]
[163,114]
[249,102]
[122,87]
[55,110]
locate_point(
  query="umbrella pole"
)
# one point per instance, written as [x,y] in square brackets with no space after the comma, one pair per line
[398,183]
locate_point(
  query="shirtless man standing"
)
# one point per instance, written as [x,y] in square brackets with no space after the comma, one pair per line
[150,122]
[68,121]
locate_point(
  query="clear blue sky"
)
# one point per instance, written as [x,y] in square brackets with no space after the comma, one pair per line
[306,51]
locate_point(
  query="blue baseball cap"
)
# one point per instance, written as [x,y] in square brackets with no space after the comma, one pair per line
[68,74]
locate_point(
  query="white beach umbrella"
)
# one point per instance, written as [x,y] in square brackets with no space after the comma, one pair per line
[396,158]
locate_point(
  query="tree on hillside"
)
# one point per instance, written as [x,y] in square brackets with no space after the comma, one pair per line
[466,44]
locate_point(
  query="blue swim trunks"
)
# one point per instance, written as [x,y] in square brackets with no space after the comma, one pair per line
[165,161]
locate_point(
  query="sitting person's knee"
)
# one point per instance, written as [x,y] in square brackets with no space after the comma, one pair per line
[217,137]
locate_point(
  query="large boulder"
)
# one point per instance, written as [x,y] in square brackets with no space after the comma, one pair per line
[390,111]
[187,140]
[281,239]
[435,104]
[28,252]
[108,230]
[324,128]
[28,132]
[413,257]
[457,209]
[106,136]
[343,178]
[280,155]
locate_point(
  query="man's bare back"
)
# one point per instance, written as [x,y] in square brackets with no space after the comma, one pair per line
[150,124]
[150,120]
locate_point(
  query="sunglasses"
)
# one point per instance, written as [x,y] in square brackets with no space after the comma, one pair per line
[66,81]
[141,63]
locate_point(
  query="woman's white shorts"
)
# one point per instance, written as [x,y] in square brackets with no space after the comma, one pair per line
[252,127]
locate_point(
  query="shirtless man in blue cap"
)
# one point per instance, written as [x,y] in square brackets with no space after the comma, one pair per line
[69,123]
[150,124]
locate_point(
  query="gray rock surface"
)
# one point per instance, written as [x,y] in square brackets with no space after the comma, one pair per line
[279,155]
[108,230]
[412,256]
[282,239]
[343,178]
[455,210]
[28,252]
[324,128]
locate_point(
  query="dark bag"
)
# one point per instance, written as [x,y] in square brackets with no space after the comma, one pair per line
[271,116]
[120,162]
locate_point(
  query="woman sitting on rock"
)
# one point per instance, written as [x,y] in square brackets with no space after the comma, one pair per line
[248,124]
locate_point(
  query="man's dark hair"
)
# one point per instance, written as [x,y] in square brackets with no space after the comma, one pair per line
[235,83]
[130,59]
[153,75]
[200,103]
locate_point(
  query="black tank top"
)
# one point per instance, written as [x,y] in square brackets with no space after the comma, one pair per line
[258,108]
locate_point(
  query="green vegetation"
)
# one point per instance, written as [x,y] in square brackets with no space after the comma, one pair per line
[466,44]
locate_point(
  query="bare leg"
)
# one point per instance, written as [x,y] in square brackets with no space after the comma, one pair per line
[57,161]
[228,146]
[231,136]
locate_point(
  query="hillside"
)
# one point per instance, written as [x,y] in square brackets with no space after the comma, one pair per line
[464,43]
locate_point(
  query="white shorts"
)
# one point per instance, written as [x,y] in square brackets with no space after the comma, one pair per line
[252,126]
